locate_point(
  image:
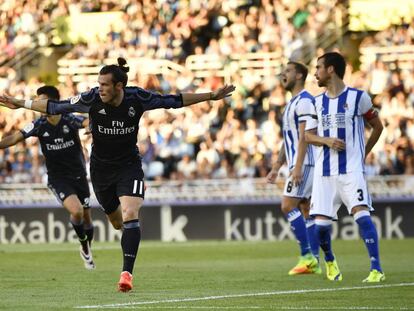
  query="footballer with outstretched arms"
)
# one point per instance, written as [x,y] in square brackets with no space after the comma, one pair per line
[116,171]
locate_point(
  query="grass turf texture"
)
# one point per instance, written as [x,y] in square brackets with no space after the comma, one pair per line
[52,277]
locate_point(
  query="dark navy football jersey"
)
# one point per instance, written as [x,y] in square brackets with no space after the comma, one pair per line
[60,145]
[115,129]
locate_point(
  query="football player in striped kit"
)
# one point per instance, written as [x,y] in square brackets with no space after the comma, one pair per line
[300,160]
[337,127]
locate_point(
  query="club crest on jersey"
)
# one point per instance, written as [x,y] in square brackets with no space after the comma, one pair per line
[29,127]
[131,112]
[346,106]
[65,129]
[75,99]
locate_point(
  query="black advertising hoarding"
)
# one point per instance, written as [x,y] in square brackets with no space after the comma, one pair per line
[182,223]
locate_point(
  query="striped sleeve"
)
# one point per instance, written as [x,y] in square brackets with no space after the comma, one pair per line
[304,109]
[311,118]
[365,103]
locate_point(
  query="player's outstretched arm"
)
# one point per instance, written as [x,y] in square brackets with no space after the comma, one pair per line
[194,98]
[11,140]
[14,103]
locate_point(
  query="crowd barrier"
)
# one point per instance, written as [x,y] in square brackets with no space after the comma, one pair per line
[197,210]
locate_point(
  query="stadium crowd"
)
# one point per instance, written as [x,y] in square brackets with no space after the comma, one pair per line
[238,137]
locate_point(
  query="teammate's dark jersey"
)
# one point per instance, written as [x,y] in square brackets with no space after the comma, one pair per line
[115,129]
[60,145]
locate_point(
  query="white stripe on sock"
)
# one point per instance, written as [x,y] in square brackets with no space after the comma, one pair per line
[323,222]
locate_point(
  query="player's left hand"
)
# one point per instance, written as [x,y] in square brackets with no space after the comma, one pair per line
[297,176]
[8,101]
[223,92]
[335,143]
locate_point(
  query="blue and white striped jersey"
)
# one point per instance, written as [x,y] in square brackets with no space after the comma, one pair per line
[341,117]
[297,110]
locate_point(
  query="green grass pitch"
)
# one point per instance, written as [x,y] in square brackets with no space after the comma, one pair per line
[207,275]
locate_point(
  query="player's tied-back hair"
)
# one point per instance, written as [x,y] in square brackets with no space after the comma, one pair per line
[118,72]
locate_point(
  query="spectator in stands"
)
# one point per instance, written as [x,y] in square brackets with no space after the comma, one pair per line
[372,168]
[187,168]
[165,29]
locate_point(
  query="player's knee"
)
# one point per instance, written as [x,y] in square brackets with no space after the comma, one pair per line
[117,225]
[77,215]
[115,222]
[359,208]
[287,207]
[130,212]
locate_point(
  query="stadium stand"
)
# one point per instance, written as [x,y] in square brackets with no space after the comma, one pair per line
[200,45]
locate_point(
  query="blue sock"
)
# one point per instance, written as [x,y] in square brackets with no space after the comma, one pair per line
[323,234]
[369,235]
[297,224]
[313,240]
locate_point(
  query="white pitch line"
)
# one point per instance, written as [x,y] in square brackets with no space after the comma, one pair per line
[345,308]
[274,293]
[267,307]
[195,307]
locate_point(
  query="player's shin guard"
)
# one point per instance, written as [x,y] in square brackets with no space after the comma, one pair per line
[297,224]
[369,235]
[313,240]
[78,227]
[80,232]
[323,229]
[89,230]
[131,237]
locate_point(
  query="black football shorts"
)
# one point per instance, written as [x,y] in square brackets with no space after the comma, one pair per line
[111,184]
[62,187]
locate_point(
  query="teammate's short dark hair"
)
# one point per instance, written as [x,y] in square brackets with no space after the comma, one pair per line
[118,72]
[300,68]
[336,60]
[50,91]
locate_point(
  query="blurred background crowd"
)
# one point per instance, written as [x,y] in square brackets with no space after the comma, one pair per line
[234,138]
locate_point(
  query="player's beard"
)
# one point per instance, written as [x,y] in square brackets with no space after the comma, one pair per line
[322,82]
[289,86]
[111,99]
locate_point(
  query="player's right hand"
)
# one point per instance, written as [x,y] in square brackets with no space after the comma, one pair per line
[336,143]
[8,101]
[297,175]
[225,91]
[271,177]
